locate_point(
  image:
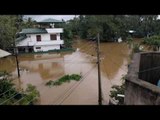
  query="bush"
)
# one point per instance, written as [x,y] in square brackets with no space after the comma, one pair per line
[66,78]
[118,90]
[9,95]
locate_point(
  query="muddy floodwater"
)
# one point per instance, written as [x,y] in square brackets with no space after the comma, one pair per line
[37,69]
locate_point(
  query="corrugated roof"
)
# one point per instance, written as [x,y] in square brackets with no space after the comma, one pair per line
[33,31]
[49,20]
[4,53]
[21,38]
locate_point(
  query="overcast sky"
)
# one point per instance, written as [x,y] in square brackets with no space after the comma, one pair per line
[57,17]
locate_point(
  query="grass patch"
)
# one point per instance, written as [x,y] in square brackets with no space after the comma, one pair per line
[66,78]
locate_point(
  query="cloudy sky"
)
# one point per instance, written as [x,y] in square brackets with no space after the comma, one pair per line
[57,17]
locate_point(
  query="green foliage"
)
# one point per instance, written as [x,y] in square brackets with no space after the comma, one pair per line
[68,38]
[75,77]
[5,84]
[4,73]
[31,95]
[153,41]
[111,27]
[9,95]
[66,78]
[9,26]
[130,42]
[118,90]
[136,48]
[8,30]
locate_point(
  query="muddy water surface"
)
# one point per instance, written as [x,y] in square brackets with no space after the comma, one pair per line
[37,69]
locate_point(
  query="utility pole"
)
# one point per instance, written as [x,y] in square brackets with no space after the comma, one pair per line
[99,73]
[16,55]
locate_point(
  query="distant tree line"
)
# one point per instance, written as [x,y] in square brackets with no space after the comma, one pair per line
[9,26]
[110,27]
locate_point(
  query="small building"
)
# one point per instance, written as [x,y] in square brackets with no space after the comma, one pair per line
[4,53]
[44,38]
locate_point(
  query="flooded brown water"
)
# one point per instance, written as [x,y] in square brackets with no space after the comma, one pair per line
[37,69]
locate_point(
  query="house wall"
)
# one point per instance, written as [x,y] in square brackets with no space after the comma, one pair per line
[44,37]
[55,30]
[24,42]
[45,43]
[139,92]
[46,48]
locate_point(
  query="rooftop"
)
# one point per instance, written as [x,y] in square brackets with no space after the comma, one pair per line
[4,53]
[33,31]
[49,20]
[21,38]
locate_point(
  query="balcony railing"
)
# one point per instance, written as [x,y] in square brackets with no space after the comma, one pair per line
[55,30]
[54,42]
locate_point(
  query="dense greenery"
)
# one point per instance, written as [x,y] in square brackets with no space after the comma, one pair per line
[30,95]
[66,78]
[68,38]
[153,41]
[118,90]
[9,26]
[9,95]
[111,27]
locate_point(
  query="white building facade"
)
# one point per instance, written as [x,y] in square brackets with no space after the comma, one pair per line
[39,39]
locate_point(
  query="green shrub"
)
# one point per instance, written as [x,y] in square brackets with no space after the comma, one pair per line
[66,78]
[9,95]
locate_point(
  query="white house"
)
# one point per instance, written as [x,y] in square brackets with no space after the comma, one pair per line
[44,38]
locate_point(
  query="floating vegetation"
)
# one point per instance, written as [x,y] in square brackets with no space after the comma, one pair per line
[66,78]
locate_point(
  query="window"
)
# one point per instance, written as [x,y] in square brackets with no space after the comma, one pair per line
[61,36]
[38,37]
[53,37]
[38,47]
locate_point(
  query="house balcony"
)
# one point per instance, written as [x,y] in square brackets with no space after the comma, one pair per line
[54,42]
[54,30]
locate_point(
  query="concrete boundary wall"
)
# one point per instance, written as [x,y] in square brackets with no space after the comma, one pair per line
[138,91]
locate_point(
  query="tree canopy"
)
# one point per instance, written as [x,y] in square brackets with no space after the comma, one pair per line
[111,27]
[9,26]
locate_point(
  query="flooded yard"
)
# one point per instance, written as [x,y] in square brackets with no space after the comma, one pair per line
[37,69]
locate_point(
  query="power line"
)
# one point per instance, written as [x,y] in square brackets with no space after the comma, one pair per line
[106,73]
[31,100]
[38,86]
[18,100]
[150,69]
[77,55]
[89,48]
[13,95]
[6,91]
[116,64]
[74,87]
[61,96]
[25,96]
[17,94]
[56,62]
